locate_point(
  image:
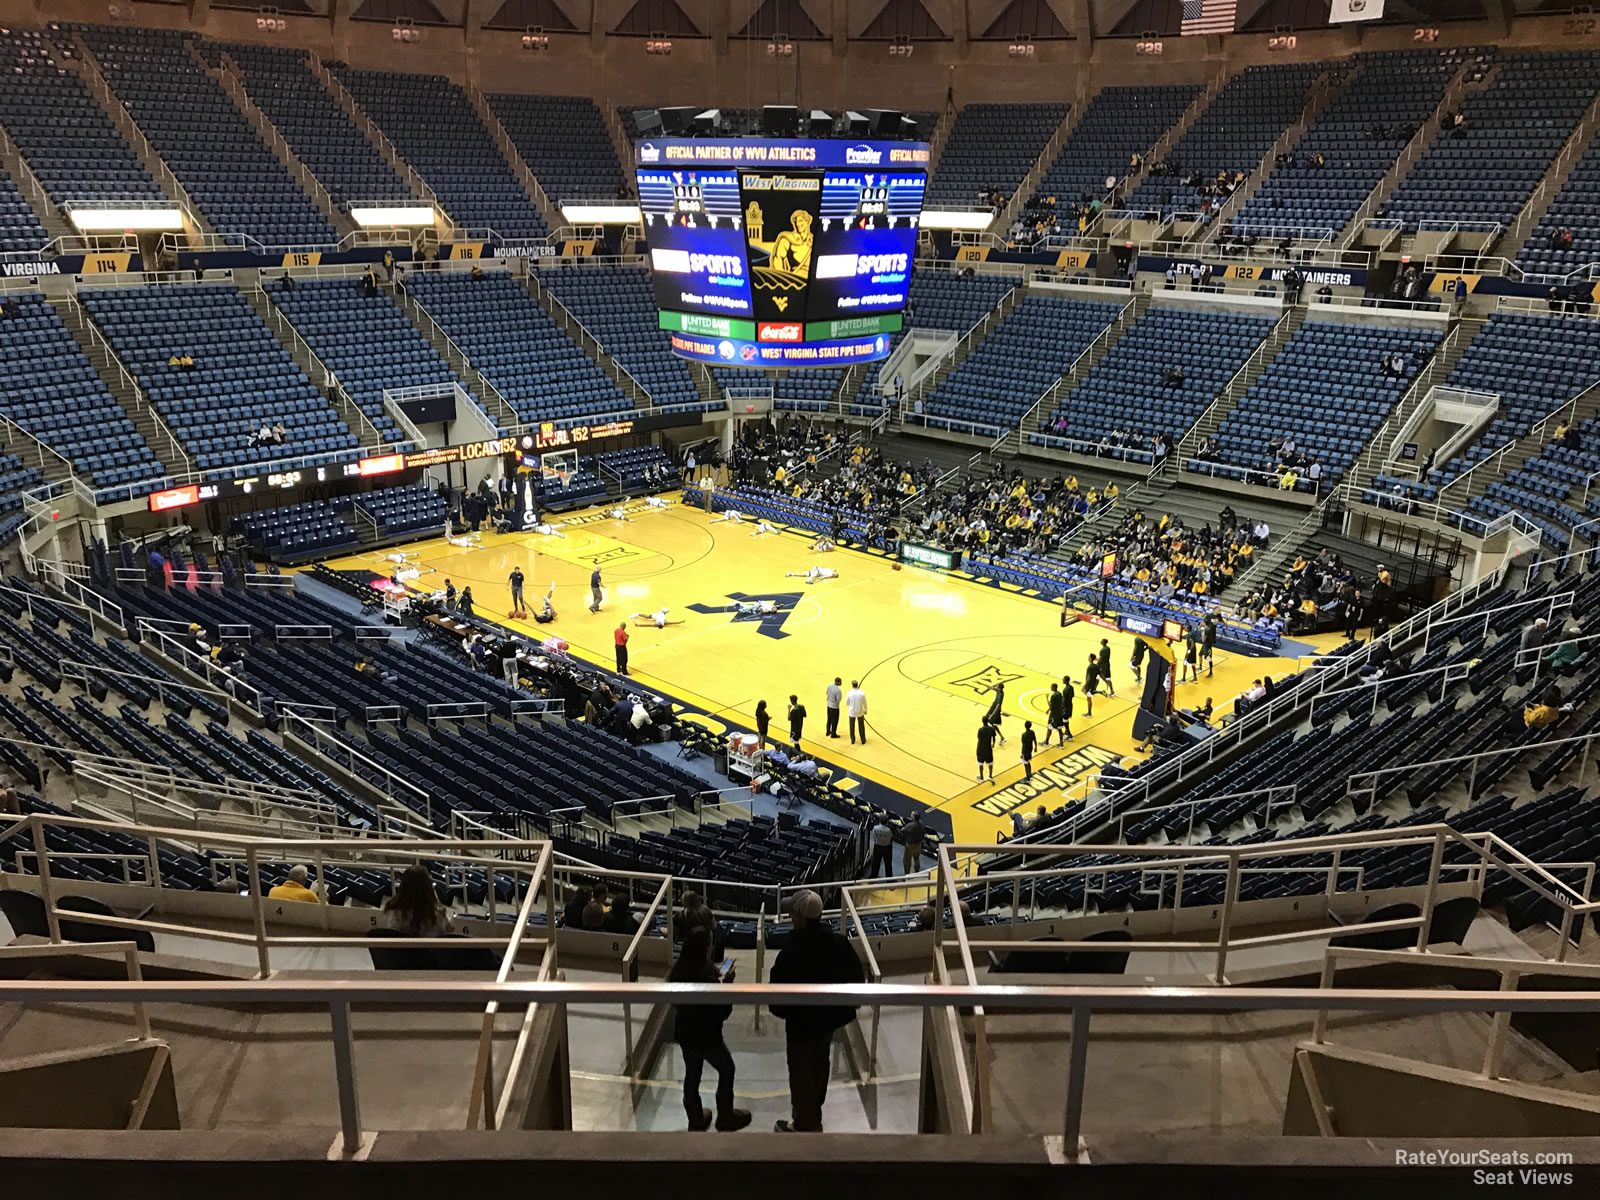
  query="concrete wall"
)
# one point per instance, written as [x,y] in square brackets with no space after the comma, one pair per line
[96,1088]
[1376,1095]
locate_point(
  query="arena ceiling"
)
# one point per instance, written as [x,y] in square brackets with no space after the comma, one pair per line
[918,20]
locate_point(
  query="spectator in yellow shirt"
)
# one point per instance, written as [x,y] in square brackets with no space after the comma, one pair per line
[295,887]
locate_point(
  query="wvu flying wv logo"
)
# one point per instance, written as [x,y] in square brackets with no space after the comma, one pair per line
[769,625]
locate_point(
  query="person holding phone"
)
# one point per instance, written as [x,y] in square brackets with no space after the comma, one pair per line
[697,1028]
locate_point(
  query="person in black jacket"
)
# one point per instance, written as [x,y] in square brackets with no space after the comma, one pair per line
[697,1028]
[815,954]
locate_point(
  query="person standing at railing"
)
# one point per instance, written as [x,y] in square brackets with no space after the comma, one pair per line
[816,953]
[697,1029]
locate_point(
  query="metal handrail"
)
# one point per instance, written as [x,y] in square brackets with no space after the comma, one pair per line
[331,386]
[1233,391]
[599,352]
[231,78]
[1382,442]
[931,370]
[1413,149]
[1494,465]
[365,124]
[100,342]
[88,69]
[1115,328]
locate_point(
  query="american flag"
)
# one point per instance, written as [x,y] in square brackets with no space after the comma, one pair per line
[1209,16]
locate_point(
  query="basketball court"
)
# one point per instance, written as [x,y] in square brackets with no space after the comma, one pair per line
[928,647]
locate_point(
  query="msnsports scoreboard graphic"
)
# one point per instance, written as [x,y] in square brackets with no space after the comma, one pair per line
[769,253]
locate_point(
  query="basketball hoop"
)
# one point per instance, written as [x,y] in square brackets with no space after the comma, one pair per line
[558,466]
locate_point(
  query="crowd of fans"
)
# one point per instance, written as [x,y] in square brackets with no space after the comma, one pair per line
[1168,559]
[1009,513]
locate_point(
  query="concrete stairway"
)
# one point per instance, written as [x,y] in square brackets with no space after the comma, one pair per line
[973,338]
[1455,91]
[1164,144]
[620,142]
[306,359]
[1550,185]
[513,156]
[55,226]
[939,136]
[1321,91]
[1034,418]
[706,383]
[500,410]
[589,344]
[1289,533]
[231,79]
[369,128]
[119,380]
[84,63]
[1243,379]
[1475,482]
[1030,182]
[1370,461]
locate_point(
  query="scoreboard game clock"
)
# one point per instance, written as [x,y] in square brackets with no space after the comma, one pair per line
[772,253]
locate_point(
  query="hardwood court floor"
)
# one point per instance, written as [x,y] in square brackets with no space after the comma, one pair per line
[926,646]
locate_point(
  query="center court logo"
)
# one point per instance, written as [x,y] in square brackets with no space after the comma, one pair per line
[768,624]
[862,156]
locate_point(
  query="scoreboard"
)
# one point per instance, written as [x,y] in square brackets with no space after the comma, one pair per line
[781,253]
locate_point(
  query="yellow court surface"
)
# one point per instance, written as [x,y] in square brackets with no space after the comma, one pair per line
[927,647]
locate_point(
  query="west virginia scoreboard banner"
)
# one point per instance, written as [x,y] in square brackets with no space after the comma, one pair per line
[774,253]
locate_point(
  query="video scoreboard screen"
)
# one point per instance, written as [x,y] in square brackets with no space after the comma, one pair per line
[781,253]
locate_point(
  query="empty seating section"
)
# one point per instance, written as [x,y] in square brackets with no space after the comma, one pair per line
[639,468]
[1535,364]
[401,510]
[582,486]
[320,133]
[434,126]
[991,146]
[61,130]
[1359,134]
[758,850]
[230,173]
[955,303]
[1118,122]
[1231,135]
[20,231]
[364,340]
[1327,390]
[1574,209]
[1485,171]
[565,143]
[50,389]
[1542,490]
[242,377]
[618,307]
[811,390]
[14,480]
[1017,363]
[529,358]
[1125,389]
[311,527]
[541,772]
